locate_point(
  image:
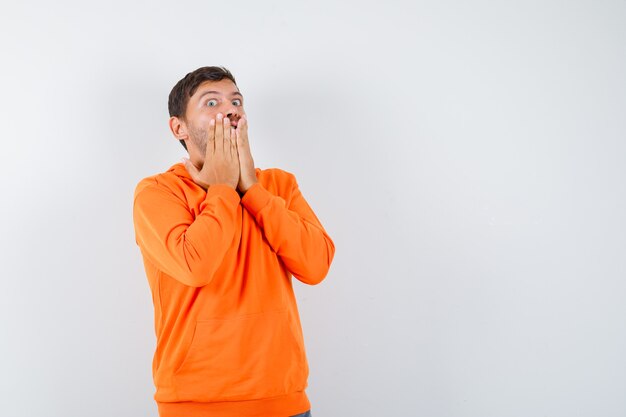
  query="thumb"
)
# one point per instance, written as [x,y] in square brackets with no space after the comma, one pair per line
[194,173]
[191,169]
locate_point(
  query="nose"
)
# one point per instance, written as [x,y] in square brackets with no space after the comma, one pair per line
[231,112]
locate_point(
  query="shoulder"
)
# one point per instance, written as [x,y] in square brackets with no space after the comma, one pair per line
[277,181]
[278,175]
[164,183]
[145,183]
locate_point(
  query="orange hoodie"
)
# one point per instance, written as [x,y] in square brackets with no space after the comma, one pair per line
[219,266]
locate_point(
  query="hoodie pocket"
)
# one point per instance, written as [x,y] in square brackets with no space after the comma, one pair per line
[247,357]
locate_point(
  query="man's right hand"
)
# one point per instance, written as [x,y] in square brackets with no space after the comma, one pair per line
[221,160]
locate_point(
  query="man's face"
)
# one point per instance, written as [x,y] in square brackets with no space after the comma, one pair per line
[211,98]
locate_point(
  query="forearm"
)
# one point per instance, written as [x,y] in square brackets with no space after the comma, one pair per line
[293,231]
[189,250]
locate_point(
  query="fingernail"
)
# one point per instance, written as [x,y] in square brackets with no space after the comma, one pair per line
[219,115]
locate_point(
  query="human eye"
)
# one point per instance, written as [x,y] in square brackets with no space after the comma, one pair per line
[238,101]
[208,103]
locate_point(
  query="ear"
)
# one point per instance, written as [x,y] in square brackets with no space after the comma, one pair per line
[178,128]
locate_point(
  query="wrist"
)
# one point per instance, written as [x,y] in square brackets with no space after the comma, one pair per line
[246,188]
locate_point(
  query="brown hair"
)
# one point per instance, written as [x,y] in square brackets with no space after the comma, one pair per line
[184,89]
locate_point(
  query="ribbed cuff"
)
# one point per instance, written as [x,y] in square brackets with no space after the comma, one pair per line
[256,198]
[227,192]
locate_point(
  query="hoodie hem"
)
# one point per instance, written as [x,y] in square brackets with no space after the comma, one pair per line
[283,406]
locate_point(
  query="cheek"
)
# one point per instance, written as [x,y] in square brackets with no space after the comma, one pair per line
[205,118]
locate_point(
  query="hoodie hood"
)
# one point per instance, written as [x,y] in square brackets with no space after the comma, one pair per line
[179,170]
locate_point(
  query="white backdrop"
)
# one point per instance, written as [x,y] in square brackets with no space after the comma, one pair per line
[467,158]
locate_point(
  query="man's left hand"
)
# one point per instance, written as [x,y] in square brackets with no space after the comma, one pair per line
[247,176]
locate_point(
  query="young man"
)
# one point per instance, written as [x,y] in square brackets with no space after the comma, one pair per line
[220,241]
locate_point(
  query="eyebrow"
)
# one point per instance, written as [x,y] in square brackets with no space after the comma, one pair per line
[234,93]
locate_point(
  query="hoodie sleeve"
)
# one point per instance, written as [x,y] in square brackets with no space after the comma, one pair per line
[293,231]
[187,249]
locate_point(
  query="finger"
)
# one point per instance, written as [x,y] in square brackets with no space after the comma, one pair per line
[191,169]
[234,144]
[210,142]
[242,130]
[227,128]
[219,134]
